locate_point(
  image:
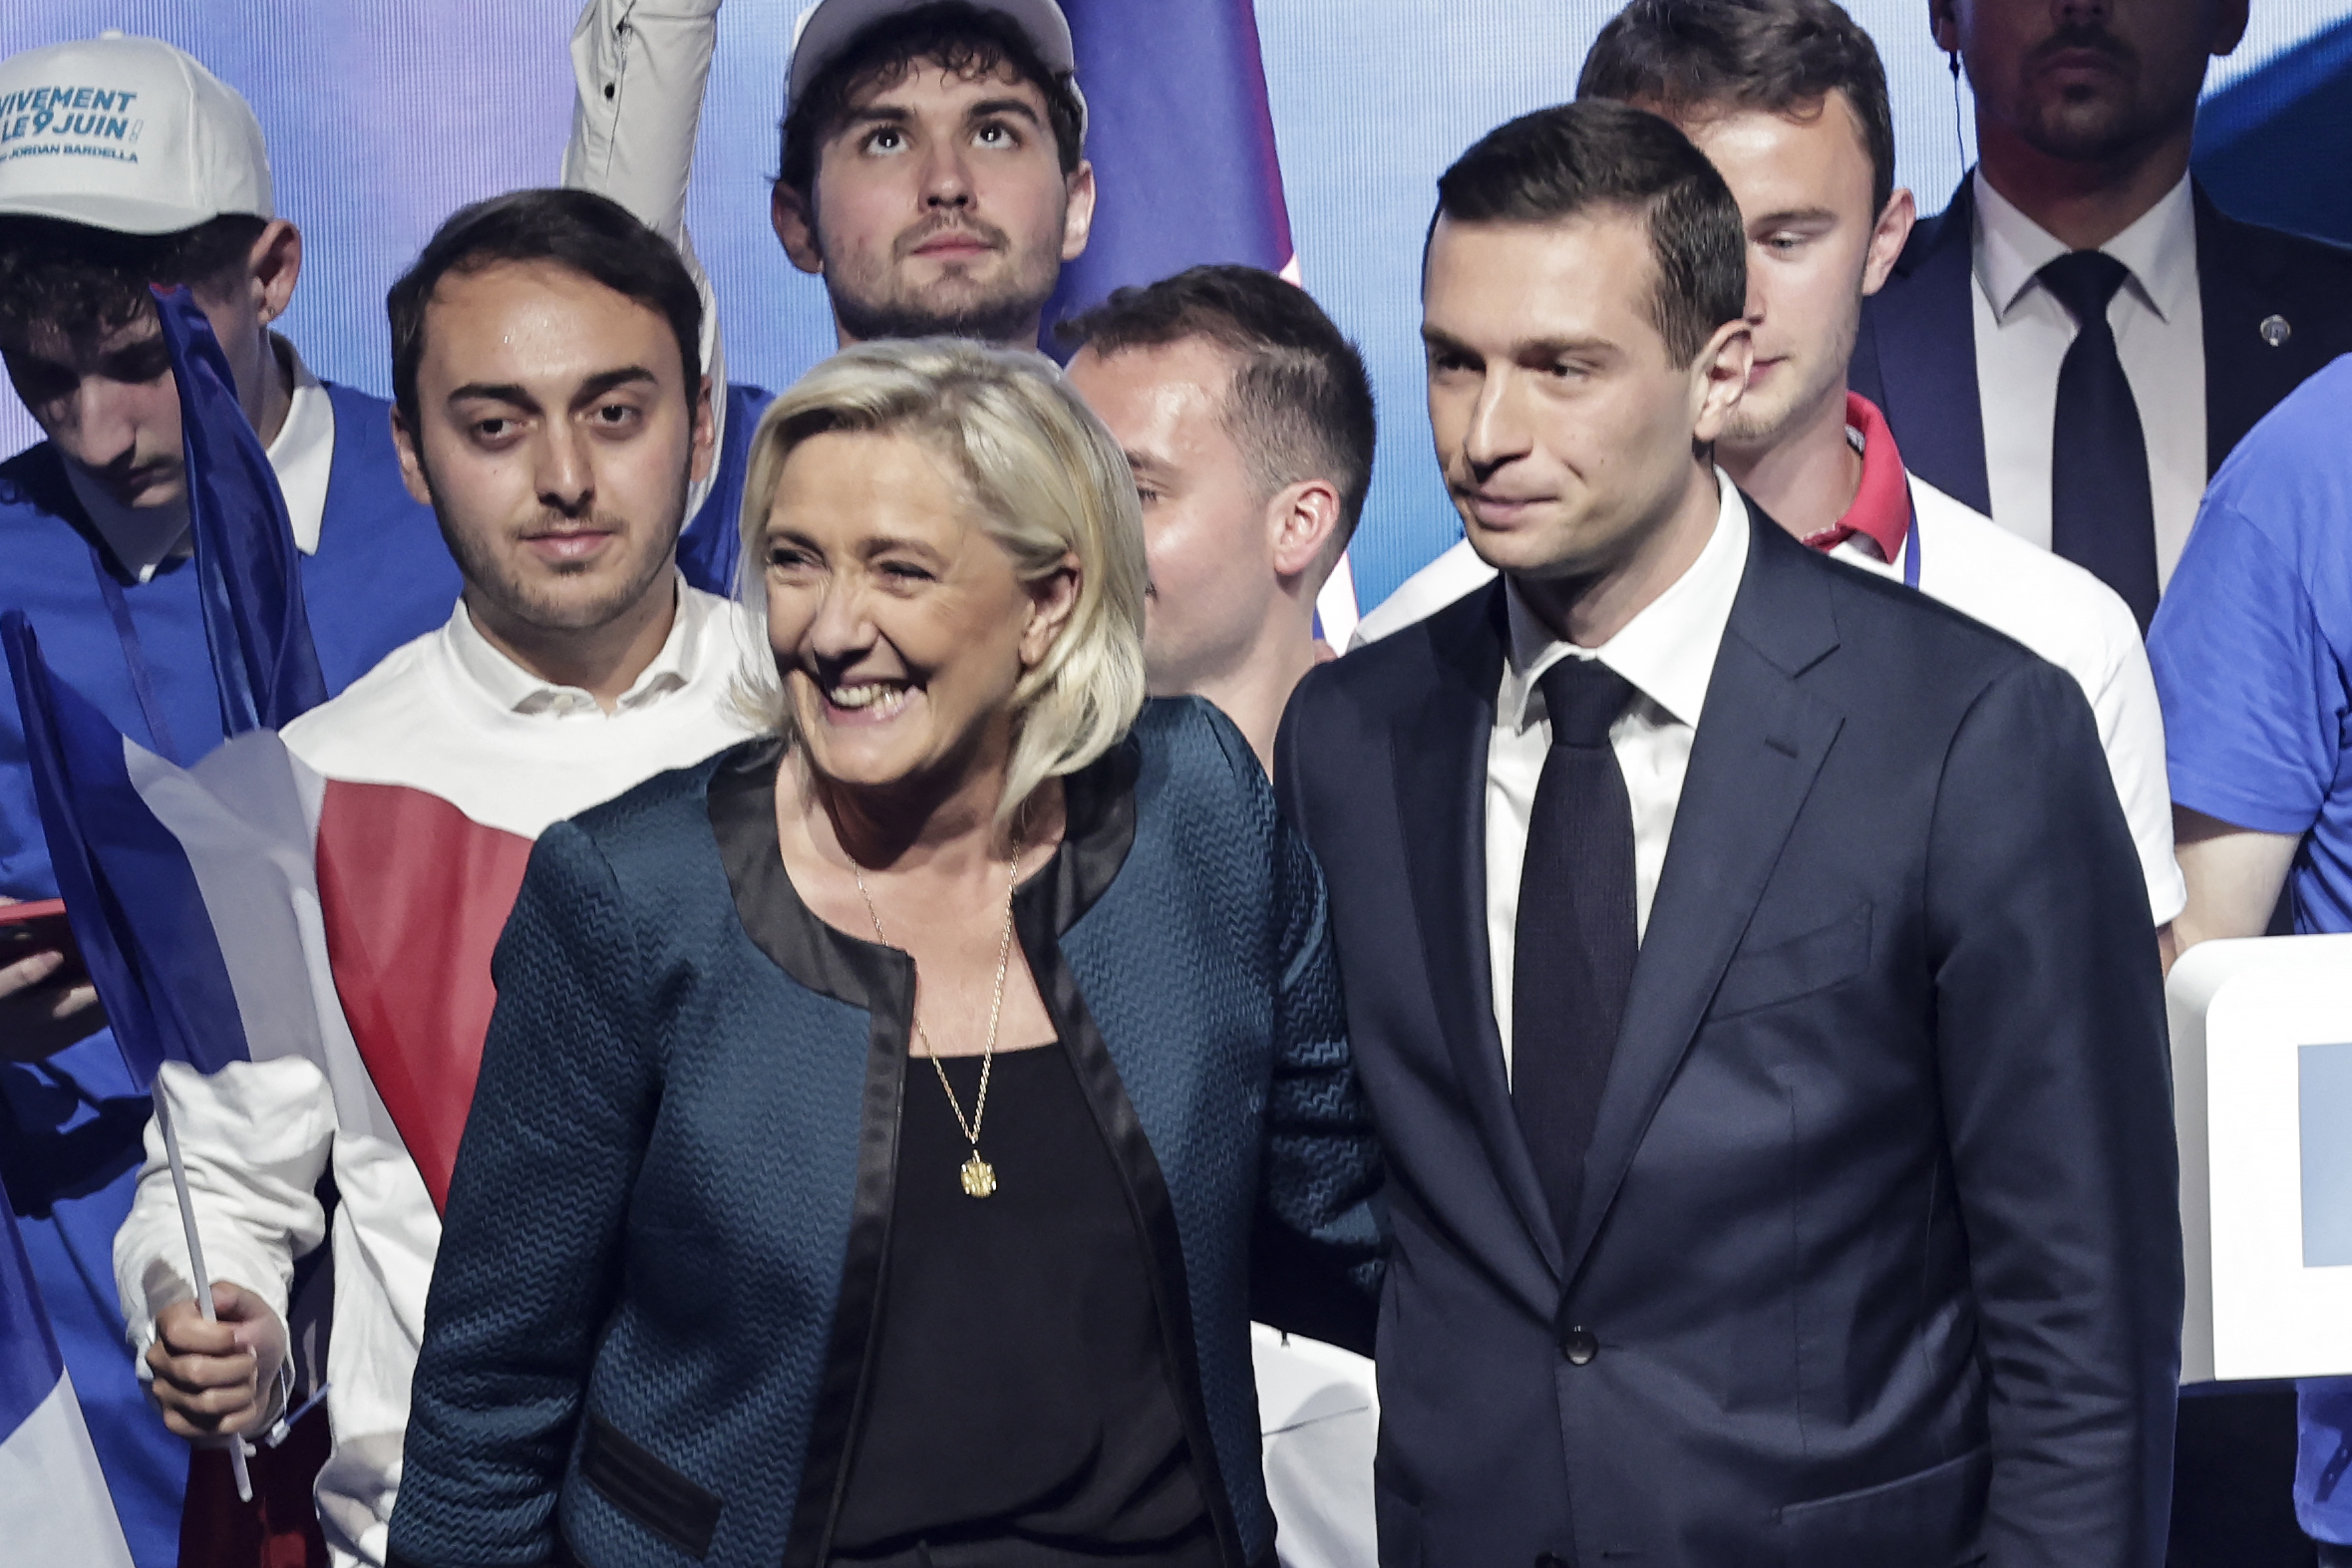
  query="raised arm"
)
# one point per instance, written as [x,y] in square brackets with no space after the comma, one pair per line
[638,70]
[2054,1063]
[522,1289]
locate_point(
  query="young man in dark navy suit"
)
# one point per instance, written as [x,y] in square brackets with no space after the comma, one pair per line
[2085,112]
[1747,962]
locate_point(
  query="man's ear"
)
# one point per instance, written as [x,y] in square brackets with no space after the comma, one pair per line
[411,458]
[1053,598]
[1718,376]
[1301,521]
[705,433]
[275,264]
[1077,212]
[795,223]
[1887,238]
[1943,21]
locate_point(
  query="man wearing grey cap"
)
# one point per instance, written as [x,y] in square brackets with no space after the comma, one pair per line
[932,172]
[124,162]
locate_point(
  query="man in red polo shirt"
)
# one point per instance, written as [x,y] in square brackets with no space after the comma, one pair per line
[1789,99]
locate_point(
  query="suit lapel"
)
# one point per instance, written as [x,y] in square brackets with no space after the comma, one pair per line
[1440,757]
[1759,745]
[1922,326]
[2239,290]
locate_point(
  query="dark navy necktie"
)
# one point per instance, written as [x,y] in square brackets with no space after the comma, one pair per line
[2102,517]
[1575,941]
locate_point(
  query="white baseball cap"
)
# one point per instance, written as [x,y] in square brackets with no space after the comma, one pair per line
[830,26]
[127,133]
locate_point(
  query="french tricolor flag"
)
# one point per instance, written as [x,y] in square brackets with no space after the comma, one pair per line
[53,1506]
[248,908]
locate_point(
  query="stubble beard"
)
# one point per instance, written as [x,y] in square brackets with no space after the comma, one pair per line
[527,603]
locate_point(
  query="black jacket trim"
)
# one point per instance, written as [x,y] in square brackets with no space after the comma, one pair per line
[635,1481]
[880,980]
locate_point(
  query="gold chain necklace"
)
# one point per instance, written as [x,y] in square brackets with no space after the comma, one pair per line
[979,1176]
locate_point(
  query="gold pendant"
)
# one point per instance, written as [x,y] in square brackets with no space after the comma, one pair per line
[979,1176]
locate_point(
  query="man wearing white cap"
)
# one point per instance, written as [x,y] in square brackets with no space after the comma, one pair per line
[124,162]
[932,171]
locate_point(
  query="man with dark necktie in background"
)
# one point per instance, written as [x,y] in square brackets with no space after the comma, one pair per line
[2082,336]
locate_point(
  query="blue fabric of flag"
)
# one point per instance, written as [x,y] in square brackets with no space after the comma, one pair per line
[132,899]
[248,572]
[1183,143]
[29,1362]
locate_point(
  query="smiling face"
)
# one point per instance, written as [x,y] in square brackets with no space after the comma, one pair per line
[940,209]
[1207,535]
[556,441]
[899,626]
[1565,430]
[2087,80]
[1814,249]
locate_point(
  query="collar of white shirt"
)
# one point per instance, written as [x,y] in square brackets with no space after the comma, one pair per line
[1667,650]
[303,455]
[2159,248]
[515,689]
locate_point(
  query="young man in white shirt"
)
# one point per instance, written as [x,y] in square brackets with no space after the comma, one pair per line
[552,406]
[1246,416]
[2082,208]
[932,173]
[1788,99]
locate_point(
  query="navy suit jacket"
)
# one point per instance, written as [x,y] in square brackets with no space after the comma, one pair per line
[1915,356]
[1879,1260]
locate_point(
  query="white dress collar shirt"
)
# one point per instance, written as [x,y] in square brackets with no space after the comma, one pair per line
[2022,334]
[145,537]
[1667,652]
[518,691]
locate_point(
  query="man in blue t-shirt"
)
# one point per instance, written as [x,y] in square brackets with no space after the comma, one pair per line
[2252,650]
[128,164]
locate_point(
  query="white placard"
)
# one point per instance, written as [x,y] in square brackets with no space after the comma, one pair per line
[2250,1020]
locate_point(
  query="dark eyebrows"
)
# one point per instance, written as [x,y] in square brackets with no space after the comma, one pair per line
[1772,220]
[602,382]
[988,108]
[594,387]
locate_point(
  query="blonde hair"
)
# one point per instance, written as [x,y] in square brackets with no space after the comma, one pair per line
[1050,483]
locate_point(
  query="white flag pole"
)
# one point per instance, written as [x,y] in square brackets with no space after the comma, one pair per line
[195,1258]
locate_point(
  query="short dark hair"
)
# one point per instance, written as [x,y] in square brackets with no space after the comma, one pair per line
[1299,404]
[575,229]
[1783,57]
[85,279]
[951,34]
[1559,163]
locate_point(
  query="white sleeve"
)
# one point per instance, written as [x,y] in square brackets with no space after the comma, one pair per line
[255,1138]
[638,71]
[2132,729]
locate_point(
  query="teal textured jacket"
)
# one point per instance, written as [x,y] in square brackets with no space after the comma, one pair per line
[660,1273]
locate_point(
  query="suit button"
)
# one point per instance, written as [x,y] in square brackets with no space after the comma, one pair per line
[1578,1346]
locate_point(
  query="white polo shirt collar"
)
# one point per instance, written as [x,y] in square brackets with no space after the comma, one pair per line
[514,689]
